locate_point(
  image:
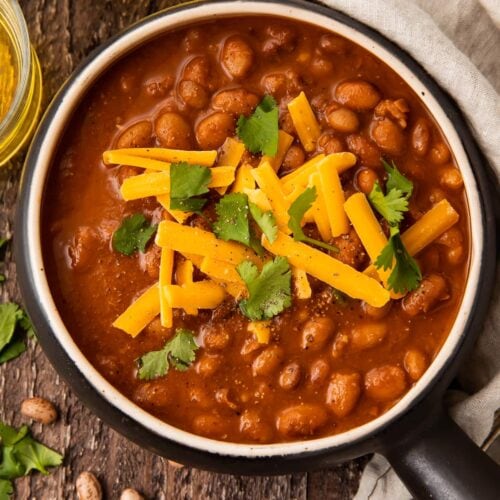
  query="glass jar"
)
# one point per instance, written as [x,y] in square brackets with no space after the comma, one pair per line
[20,81]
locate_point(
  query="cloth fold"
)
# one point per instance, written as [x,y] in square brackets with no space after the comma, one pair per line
[455,41]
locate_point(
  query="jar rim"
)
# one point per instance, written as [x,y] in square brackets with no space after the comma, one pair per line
[20,37]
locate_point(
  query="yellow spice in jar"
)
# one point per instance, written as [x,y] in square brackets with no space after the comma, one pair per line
[7,73]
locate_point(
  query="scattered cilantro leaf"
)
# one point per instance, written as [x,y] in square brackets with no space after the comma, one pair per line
[9,315]
[133,234]
[296,212]
[20,454]
[406,274]
[396,180]
[2,278]
[12,350]
[265,220]
[232,218]
[6,489]
[179,352]
[269,292]
[186,183]
[259,132]
[3,242]
[390,206]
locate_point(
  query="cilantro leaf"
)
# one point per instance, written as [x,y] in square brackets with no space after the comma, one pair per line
[179,351]
[9,315]
[265,220]
[259,132]
[396,180]
[6,489]
[269,292]
[391,206]
[12,350]
[33,455]
[10,436]
[133,234]
[406,274]
[232,218]
[186,182]
[296,212]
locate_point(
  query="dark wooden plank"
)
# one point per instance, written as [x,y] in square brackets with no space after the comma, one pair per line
[63,32]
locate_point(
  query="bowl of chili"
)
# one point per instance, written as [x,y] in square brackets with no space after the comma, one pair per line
[233,248]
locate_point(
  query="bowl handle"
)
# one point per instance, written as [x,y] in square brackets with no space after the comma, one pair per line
[442,462]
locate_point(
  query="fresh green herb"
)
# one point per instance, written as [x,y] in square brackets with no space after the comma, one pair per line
[406,274]
[396,180]
[187,183]
[296,212]
[10,313]
[233,223]
[12,319]
[2,278]
[133,234]
[179,352]
[12,350]
[20,455]
[259,132]
[269,292]
[265,220]
[391,206]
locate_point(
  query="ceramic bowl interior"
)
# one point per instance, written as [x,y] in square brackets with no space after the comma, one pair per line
[67,102]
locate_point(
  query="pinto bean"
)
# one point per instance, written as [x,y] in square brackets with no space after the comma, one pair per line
[343,393]
[208,365]
[333,44]
[236,101]
[193,94]
[365,179]
[137,135]
[268,361]
[211,425]
[82,247]
[319,372]
[388,136]
[340,345]
[385,383]
[440,154]
[215,337]
[432,289]
[342,119]
[357,94]
[451,178]
[421,137]
[320,67]
[415,363]
[453,239]
[286,123]
[237,57]
[301,420]
[367,335]
[365,149]
[254,426]
[197,70]
[294,158]
[316,333]
[200,398]
[281,38]
[290,376]
[351,250]
[376,312]
[327,143]
[173,131]
[212,131]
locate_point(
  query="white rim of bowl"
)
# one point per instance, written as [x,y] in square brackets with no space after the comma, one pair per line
[81,83]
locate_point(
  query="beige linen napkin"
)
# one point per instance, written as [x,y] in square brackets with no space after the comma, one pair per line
[456,41]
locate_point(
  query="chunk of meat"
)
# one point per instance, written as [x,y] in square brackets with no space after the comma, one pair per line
[343,393]
[397,110]
[432,289]
[351,250]
[237,57]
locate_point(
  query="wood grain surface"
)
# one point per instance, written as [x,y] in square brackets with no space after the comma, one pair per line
[63,32]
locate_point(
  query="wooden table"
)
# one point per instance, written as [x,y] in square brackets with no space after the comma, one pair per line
[63,32]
